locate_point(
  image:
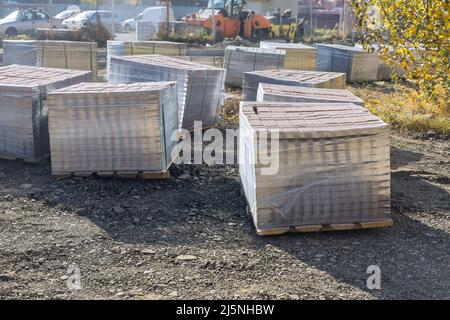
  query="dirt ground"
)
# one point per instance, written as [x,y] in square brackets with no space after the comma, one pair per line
[190,237]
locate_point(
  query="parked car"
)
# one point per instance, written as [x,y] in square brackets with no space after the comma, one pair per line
[154,14]
[131,24]
[21,21]
[66,14]
[157,14]
[85,18]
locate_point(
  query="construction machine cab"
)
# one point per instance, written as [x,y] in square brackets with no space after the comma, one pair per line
[229,8]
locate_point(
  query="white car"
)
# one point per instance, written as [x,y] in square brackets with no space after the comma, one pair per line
[85,18]
[157,14]
[153,14]
[60,17]
[131,24]
[21,21]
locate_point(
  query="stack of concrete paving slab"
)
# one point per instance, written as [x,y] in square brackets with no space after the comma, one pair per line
[200,87]
[133,48]
[355,62]
[238,60]
[55,54]
[311,167]
[149,30]
[23,52]
[275,92]
[110,129]
[298,56]
[23,108]
[207,60]
[313,79]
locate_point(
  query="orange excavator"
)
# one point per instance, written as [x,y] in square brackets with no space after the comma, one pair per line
[230,19]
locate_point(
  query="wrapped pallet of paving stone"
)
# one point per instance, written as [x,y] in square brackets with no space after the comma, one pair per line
[23,52]
[238,60]
[68,55]
[150,30]
[54,54]
[314,166]
[113,129]
[312,79]
[23,108]
[200,87]
[388,71]
[355,62]
[276,92]
[207,60]
[210,57]
[132,48]
[298,56]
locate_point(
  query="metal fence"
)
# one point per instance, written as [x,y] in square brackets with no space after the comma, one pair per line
[319,19]
[123,11]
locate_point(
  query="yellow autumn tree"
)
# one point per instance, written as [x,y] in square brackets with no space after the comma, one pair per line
[414,34]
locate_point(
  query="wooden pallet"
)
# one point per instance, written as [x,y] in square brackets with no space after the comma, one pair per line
[327,227]
[115,174]
[316,227]
[14,158]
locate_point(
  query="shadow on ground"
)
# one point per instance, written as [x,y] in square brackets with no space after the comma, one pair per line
[207,202]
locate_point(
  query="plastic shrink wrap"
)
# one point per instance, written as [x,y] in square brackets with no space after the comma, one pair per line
[276,92]
[200,87]
[310,165]
[54,54]
[312,79]
[23,108]
[132,48]
[355,62]
[298,56]
[238,60]
[106,128]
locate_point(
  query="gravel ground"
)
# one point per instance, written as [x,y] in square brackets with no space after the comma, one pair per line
[189,237]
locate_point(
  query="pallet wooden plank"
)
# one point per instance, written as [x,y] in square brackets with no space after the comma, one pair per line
[326,227]
[309,228]
[377,224]
[155,175]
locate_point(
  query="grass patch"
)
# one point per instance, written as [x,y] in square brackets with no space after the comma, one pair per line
[399,104]
[321,35]
[404,107]
[200,37]
[229,113]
